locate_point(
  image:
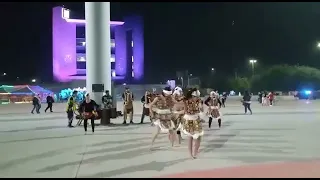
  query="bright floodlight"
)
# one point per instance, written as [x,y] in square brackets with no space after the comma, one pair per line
[252,61]
[33,80]
[4,74]
[212,69]
[318,45]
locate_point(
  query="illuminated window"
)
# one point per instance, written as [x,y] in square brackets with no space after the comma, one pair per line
[113,44]
[131,43]
[132,59]
[82,59]
[112,59]
[65,13]
[113,73]
[132,67]
[83,43]
[132,73]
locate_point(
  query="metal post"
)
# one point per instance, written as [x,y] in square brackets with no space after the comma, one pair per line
[98,45]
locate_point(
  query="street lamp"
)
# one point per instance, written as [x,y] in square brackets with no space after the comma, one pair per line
[212,69]
[252,62]
[4,74]
[33,80]
[190,75]
[318,45]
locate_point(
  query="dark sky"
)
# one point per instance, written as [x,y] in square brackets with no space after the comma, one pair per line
[178,36]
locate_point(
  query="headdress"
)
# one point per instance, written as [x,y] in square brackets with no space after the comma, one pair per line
[167,91]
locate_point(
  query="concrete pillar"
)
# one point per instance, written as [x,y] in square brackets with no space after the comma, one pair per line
[98,45]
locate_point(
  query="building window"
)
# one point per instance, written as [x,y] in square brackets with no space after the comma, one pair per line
[113,73]
[82,59]
[131,43]
[113,59]
[132,74]
[113,44]
[132,59]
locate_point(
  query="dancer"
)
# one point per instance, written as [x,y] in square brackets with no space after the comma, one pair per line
[162,106]
[146,100]
[88,108]
[178,111]
[214,104]
[153,95]
[128,98]
[192,126]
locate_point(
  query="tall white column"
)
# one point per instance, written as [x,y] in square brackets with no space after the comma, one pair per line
[98,47]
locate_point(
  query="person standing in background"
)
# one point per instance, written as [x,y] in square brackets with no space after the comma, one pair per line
[128,99]
[71,107]
[146,100]
[35,103]
[107,100]
[246,100]
[39,103]
[50,102]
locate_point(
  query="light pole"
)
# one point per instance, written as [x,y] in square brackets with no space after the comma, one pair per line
[252,62]
[189,75]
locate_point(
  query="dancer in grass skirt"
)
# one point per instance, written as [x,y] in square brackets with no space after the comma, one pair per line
[192,125]
[161,110]
[214,104]
[178,111]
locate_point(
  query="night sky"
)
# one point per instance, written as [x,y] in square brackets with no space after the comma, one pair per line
[178,36]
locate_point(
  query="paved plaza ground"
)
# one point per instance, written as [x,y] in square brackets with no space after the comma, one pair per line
[278,141]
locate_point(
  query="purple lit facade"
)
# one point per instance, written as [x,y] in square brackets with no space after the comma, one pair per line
[69,50]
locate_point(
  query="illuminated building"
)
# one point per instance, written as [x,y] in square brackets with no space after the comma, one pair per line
[69,48]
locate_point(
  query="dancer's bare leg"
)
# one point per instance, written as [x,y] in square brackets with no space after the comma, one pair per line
[179,137]
[196,147]
[190,146]
[155,135]
[172,137]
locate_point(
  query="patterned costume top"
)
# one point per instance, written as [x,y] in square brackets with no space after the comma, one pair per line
[192,106]
[212,102]
[179,104]
[165,102]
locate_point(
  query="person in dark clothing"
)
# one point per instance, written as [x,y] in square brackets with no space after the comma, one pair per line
[224,99]
[107,100]
[36,104]
[50,102]
[260,97]
[146,100]
[246,100]
[89,110]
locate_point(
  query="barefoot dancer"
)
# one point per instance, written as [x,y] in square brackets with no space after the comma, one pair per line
[178,111]
[162,106]
[214,104]
[192,126]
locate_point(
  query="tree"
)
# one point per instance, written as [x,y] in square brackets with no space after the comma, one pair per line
[239,84]
[285,78]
